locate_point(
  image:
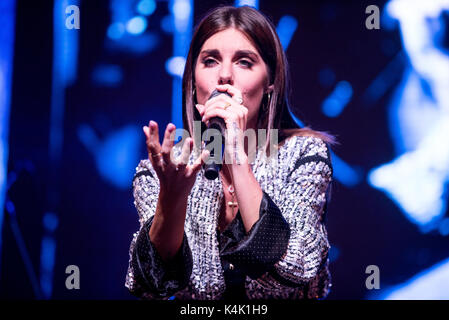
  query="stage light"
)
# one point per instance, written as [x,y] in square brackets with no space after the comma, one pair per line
[250,3]
[146,7]
[136,25]
[334,104]
[116,30]
[345,173]
[444,227]
[116,155]
[430,284]
[175,66]
[167,24]
[416,179]
[50,221]
[107,75]
[7,36]
[182,18]
[182,11]
[286,28]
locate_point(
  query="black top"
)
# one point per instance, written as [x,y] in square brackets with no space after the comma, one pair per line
[242,254]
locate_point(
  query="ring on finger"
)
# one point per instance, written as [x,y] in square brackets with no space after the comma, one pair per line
[156,155]
[239,100]
[227,105]
[180,166]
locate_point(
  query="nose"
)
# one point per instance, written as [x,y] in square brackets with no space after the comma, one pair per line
[226,74]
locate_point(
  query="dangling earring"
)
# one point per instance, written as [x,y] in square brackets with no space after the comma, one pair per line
[268,100]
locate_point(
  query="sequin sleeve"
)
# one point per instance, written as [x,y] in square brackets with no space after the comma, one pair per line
[303,185]
[148,276]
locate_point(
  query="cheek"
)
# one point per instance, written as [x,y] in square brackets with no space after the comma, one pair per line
[203,84]
[252,95]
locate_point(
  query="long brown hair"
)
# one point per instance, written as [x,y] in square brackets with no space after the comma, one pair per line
[274,111]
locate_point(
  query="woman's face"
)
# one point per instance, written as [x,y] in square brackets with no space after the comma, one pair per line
[228,57]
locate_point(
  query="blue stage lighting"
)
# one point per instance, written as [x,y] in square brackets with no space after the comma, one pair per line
[430,284]
[167,24]
[146,7]
[116,30]
[7,12]
[344,173]
[334,104]
[116,155]
[286,28]
[136,25]
[107,75]
[250,3]
[50,221]
[175,66]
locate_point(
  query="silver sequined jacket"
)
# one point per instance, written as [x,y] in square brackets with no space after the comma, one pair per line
[295,191]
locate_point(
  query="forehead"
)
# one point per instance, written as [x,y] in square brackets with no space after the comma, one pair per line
[229,40]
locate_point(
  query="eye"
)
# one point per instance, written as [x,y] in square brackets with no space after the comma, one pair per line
[246,63]
[208,62]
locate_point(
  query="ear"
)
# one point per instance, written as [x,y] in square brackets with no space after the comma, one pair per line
[270,88]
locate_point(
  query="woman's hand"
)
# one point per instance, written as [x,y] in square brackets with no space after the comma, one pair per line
[235,116]
[176,177]
[234,112]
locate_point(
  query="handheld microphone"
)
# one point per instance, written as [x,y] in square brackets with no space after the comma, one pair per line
[213,167]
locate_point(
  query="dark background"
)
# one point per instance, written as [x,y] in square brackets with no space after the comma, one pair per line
[97,220]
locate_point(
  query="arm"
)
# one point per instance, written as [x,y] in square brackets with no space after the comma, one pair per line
[160,258]
[290,228]
[149,274]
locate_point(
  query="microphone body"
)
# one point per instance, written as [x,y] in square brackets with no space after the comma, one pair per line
[213,166]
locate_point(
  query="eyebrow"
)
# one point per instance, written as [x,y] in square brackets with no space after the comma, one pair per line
[215,52]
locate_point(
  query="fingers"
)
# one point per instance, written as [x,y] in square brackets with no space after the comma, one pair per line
[234,92]
[193,169]
[152,142]
[160,155]
[168,142]
[224,99]
[230,114]
[185,153]
[200,108]
[152,135]
[218,112]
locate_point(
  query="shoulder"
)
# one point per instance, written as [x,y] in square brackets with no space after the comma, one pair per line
[311,151]
[305,146]
[144,171]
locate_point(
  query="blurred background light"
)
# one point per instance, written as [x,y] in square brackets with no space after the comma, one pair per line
[335,103]
[116,155]
[136,25]
[250,3]
[175,66]
[7,34]
[430,284]
[107,75]
[167,24]
[116,30]
[286,29]
[146,7]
